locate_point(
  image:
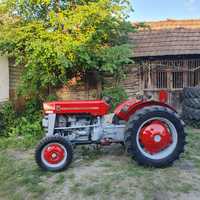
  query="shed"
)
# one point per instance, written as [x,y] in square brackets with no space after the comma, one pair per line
[167,57]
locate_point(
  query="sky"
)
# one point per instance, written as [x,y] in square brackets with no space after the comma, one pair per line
[152,10]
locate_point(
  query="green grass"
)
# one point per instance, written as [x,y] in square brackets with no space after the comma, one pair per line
[19,175]
[98,174]
[20,142]
[60,179]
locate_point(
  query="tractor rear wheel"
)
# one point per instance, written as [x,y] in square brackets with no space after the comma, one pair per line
[54,153]
[155,136]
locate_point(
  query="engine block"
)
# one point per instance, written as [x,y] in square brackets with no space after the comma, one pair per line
[83,128]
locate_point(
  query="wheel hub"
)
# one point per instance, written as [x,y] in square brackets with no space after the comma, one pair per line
[54,153]
[155,137]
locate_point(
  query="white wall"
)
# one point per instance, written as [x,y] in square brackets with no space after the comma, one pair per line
[4,79]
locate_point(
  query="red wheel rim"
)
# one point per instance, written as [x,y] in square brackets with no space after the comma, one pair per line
[54,153]
[155,137]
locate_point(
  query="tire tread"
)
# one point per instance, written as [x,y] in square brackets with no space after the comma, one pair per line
[130,135]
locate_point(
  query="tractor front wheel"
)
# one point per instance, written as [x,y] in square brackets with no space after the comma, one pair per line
[155,136]
[53,153]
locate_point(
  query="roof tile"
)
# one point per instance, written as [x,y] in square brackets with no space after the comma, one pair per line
[167,38]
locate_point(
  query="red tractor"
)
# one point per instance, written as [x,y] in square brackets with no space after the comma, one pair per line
[151,131]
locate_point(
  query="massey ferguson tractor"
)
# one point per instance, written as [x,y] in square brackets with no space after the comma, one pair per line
[151,131]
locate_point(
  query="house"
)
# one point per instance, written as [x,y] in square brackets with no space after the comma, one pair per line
[166,57]
[9,79]
[4,79]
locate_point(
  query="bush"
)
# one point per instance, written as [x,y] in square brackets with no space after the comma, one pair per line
[32,106]
[26,127]
[118,95]
[27,123]
[64,39]
[7,118]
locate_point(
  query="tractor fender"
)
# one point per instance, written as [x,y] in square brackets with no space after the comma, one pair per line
[129,107]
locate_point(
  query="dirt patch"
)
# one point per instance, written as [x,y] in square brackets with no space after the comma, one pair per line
[117,177]
[107,173]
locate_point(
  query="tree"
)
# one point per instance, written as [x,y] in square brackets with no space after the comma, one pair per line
[57,40]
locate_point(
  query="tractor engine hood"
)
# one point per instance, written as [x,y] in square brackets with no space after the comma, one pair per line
[92,107]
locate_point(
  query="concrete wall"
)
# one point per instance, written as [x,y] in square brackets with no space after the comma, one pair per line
[4,79]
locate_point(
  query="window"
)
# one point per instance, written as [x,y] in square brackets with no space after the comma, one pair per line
[177,80]
[196,77]
[170,74]
[161,79]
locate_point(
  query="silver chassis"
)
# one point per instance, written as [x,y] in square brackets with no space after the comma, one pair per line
[100,131]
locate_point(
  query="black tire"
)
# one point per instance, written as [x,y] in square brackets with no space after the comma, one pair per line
[191,92]
[192,102]
[138,119]
[192,123]
[53,139]
[191,113]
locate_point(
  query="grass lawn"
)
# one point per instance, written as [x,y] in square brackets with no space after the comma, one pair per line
[100,174]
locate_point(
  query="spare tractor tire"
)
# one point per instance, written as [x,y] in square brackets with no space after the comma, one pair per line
[155,136]
[192,123]
[192,102]
[191,92]
[190,113]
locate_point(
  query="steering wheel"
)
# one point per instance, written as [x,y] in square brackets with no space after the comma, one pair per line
[107,99]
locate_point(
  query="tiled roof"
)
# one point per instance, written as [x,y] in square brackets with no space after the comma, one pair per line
[170,24]
[171,37]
